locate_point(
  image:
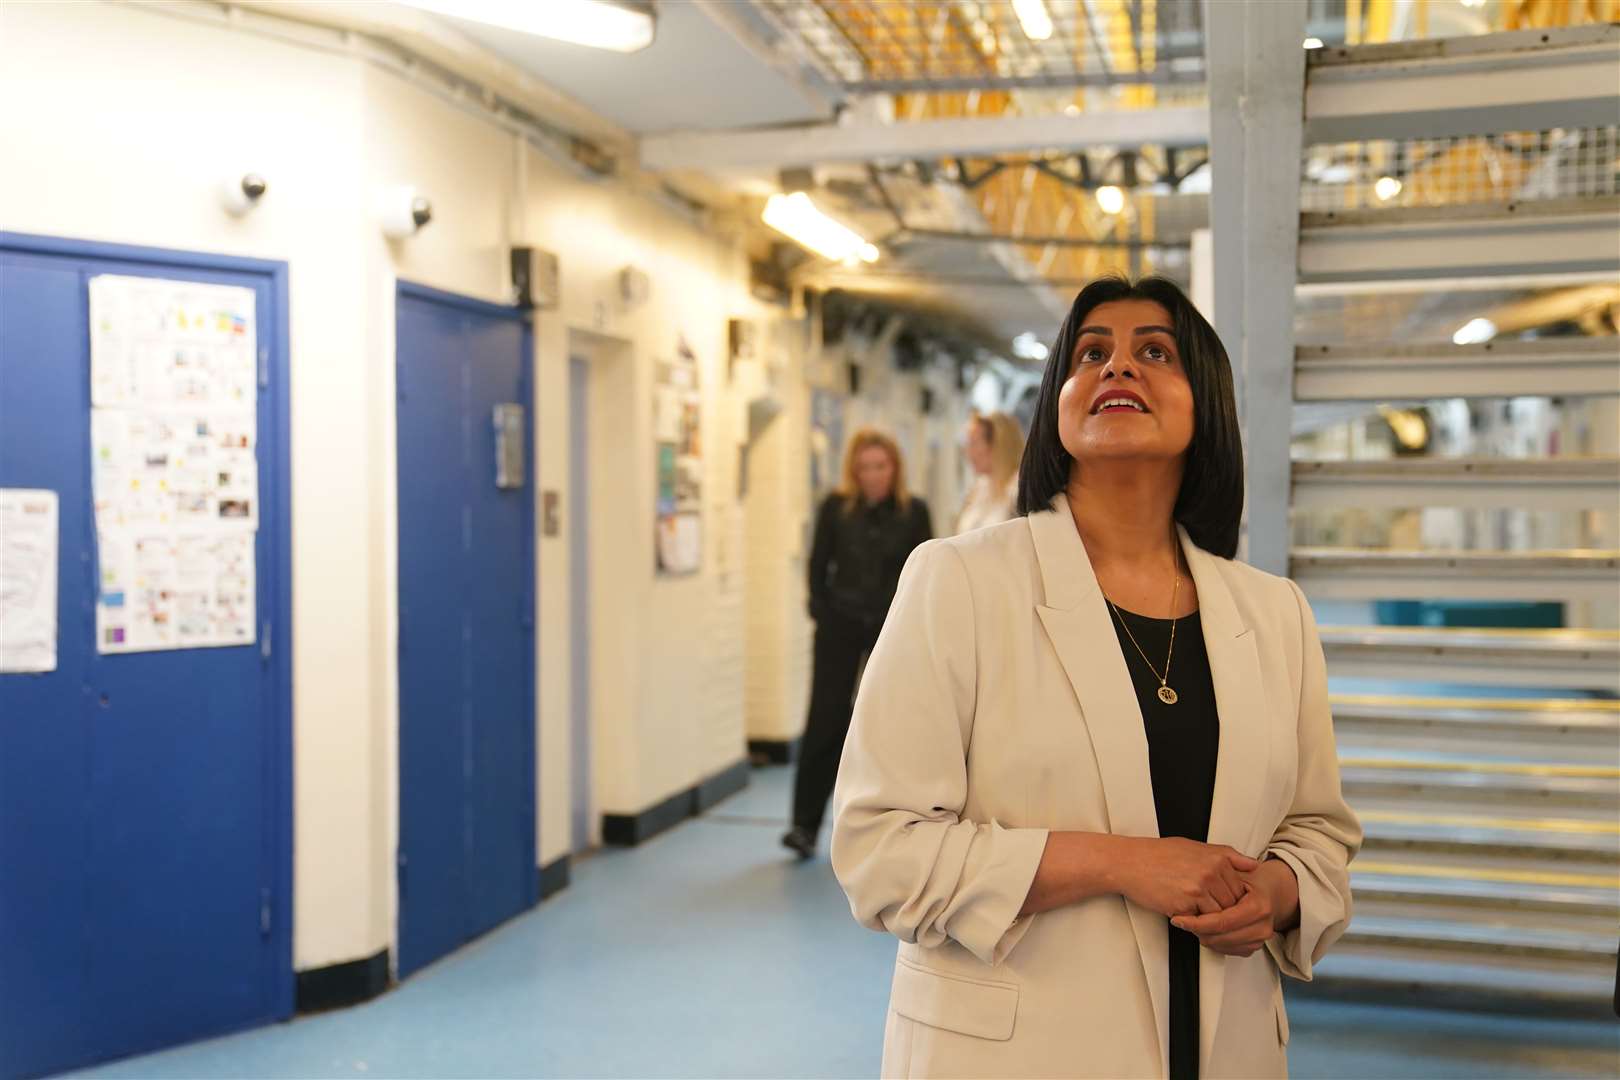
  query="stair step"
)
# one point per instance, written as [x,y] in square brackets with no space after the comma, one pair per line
[1562,366]
[1561,658]
[1385,782]
[1571,730]
[1396,886]
[1547,236]
[1556,483]
[1451,936]
[1385,975]
[1566,840]
[1395,790]
[1453,762]
[1479,84]
[1361,574]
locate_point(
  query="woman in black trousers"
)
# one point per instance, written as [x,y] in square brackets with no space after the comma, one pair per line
[864,532]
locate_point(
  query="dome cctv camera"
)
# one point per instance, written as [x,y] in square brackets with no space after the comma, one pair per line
[239,194]
[403,212]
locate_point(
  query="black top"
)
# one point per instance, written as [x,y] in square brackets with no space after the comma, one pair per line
[1183,741]
[857,556]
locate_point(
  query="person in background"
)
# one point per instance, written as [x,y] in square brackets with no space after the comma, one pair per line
[994,445]
[865,531]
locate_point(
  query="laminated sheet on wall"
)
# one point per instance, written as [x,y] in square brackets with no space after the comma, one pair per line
[28,580]
[174,466]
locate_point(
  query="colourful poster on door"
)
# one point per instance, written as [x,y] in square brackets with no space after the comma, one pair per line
[174,466]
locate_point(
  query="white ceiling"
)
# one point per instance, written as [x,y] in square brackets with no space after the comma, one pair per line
[695,75]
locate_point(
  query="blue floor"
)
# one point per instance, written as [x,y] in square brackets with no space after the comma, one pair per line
[706,952]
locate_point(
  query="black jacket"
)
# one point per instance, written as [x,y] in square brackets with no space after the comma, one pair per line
[857,556]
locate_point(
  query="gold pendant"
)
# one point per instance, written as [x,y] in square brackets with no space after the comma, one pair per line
[1167,695]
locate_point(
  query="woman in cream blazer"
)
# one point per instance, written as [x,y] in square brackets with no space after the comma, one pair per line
[994,808]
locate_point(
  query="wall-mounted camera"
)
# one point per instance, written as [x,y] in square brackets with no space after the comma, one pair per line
[239,194]
[403,212]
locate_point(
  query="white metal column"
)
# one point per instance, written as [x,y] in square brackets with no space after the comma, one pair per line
[1256,64]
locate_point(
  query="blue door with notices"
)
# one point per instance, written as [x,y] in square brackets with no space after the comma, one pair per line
[466,621]
[145,797]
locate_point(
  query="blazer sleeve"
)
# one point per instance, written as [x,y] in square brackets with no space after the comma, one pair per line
[1320,833]
[909,861]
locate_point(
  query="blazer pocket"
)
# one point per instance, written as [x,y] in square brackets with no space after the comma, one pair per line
[985,1010]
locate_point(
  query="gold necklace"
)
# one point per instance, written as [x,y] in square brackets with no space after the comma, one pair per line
[1166,695]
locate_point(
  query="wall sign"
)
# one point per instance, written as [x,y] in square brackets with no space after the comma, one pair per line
[677,428]
[28,562]
[174,468]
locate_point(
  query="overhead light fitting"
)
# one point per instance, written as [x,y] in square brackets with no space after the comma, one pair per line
[1027,346]
[1410,427]
[1313,43]
[1110,199]
[797,218]
[1386,188]
[1474,332]
[1034,18]
[619,25]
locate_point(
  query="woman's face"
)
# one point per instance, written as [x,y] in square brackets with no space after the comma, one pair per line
[1127,395]
[874,472]
[977,447]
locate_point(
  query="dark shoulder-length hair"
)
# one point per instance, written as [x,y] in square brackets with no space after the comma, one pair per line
[1210,503]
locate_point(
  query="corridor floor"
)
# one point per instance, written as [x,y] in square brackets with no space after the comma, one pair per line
[708,953]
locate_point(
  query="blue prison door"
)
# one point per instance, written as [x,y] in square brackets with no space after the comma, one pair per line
[145,819]
[466,626]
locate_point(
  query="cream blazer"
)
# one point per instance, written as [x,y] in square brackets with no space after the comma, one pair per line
[997,706]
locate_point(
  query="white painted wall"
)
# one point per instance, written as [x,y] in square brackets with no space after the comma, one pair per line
[779,509]
[666,651]
[131,119]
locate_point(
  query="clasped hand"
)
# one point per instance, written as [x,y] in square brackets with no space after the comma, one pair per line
[1213,891]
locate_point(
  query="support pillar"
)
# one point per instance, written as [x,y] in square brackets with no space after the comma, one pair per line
[1256,68]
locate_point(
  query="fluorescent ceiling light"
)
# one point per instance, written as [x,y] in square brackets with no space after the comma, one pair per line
[1386,188]
[600,24]
[1027,346]
[797,218]
[1033,17]
[1313,43]
[1110,199]
[1474,332]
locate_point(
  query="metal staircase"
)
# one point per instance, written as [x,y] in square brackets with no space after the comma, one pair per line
[1490,878]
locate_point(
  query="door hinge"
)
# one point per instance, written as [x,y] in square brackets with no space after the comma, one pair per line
[264,367]
[400,861]
[264,912]
[264,642]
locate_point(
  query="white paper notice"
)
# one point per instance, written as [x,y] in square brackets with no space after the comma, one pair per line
[175,590]
[174,462]
[28,544]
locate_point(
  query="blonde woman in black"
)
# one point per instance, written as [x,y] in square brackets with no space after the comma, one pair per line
[865,531]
